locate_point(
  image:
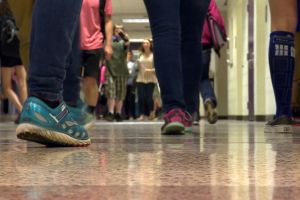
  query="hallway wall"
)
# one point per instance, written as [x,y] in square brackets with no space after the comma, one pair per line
[233,98]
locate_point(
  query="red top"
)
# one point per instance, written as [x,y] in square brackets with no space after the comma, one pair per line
[91,36]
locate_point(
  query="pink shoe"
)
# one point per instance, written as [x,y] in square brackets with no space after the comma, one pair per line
[188,122]
[176,121]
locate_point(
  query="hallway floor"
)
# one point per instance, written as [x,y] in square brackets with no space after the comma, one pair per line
[231,160]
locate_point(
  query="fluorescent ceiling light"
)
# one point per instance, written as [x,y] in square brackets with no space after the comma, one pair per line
[135,21]
[136,40]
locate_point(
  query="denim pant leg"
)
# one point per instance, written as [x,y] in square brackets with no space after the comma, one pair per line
[72,81]
[192,14]
[54,25]
[164,19]
[206,89]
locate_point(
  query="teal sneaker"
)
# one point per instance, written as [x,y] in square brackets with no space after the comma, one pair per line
[50,126]
[82,117]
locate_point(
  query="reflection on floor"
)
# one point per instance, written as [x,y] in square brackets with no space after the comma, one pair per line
[230,160]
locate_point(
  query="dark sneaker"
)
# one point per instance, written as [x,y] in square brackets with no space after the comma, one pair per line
[196,118]
[82,117]
[296,121]
[152,115]
[282,124]
[174,122]
[296,112]
[118,117]
[109,117]
[17,120]
[188,122]
[211,114]
[50,126]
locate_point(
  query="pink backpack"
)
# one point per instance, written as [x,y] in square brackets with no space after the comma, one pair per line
[214,32]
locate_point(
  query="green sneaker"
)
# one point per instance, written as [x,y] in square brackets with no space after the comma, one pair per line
[50,126]
[82,117]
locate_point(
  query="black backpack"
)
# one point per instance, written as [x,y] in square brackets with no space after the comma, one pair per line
[8,28]
[102,16]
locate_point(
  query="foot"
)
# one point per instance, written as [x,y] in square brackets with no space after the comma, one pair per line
[50,126]
[141,118]
[211,113]
[82,117]
[196,119]
[174,122]
[188,122]
[17,120]
[109,117]
[152,115]
[281,124]
[118,117]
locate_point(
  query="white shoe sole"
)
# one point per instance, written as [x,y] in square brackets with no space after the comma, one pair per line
[279,129]
[47,137]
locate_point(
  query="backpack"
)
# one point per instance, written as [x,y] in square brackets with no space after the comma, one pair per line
[218,37]
[8,28]
[102,16]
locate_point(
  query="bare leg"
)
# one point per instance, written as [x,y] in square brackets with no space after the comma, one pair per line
[119,105]
[22,83]
[6,75]
[90,91]
[111,105]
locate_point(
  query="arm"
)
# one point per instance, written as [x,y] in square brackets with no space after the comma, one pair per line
[108,33]
[125,38]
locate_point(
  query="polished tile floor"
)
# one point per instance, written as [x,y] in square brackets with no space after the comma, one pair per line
[231,160]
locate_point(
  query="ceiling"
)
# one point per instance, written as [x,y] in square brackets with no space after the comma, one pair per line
[128,9]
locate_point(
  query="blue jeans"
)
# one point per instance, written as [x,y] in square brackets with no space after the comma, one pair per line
[206,89]
[177,28]
[54,51]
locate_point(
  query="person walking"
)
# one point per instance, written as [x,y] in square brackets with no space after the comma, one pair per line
[176,28]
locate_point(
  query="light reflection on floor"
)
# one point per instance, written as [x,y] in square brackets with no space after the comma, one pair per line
[230,160]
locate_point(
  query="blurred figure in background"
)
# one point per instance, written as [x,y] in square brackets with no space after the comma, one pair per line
[117,74]
[296,82]
[10,59]
[157,103]
[206,89]
[22,11]
[146,81]
[129,102]
[93,46]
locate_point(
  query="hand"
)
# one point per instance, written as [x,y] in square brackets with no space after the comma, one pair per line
[108,51]
[123,35]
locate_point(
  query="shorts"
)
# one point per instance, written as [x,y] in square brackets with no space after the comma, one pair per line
[116,87]
[10,54]
[8,61]
[90,62]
